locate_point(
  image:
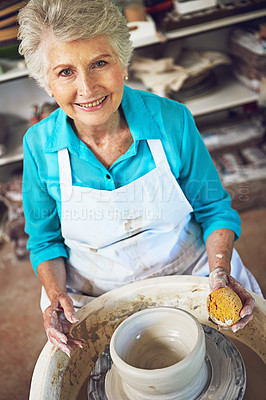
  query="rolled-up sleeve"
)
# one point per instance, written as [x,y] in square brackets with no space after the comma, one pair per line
[201,183]
[42,221]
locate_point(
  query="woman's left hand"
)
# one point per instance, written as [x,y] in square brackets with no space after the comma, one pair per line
[220,278]
[57,327]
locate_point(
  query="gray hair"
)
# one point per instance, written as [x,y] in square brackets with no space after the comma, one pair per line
[68,21]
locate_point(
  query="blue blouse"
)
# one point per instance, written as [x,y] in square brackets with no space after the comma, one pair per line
[149,117]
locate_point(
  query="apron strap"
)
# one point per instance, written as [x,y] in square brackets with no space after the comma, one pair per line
[157,151]
[65,177]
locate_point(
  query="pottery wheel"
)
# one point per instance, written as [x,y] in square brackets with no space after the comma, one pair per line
[62,378]
[227,376]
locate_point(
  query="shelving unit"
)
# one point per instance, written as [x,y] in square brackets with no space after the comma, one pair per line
[229,92]
[210,25]
[14,74]
[14,145]
[201,27]
[17,95]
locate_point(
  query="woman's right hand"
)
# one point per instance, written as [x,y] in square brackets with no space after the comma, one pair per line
[58,318]
[220,278]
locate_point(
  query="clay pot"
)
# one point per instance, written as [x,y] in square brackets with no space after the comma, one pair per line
[160,353]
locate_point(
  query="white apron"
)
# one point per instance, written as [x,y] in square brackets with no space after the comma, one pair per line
[141,230]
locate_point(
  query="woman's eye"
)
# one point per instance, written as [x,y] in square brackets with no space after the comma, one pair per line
[100,64]
[65,72]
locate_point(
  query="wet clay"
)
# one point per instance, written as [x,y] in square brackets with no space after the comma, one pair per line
[157,354]
[255,369]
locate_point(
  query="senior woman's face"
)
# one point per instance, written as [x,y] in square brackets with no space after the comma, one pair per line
[86,79]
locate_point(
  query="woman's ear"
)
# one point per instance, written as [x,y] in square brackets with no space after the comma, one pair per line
[126,74]
[48,91]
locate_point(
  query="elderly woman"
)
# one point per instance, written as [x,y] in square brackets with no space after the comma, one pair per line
[118,185]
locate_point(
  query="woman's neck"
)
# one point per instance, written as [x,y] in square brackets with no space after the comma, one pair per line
[107,143]
[97,135]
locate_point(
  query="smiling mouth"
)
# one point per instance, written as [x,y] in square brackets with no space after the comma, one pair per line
[92,104]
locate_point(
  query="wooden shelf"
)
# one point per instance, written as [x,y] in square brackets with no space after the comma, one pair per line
[12,157]
[216,24]
[14,74]
[14,144]
[194,29]
[229,93]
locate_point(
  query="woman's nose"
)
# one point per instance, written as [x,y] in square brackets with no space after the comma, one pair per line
[86,84]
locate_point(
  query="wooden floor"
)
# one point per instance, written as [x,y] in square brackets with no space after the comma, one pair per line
[21,331]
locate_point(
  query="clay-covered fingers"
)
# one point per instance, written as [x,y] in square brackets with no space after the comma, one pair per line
[66,304]
[72,342]
[64,342]
[59,340]
[242,323]
[57,327]
[247,300]
[54,329]
[248,306]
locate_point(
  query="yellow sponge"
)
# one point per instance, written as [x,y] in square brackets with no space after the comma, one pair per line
[224,307]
